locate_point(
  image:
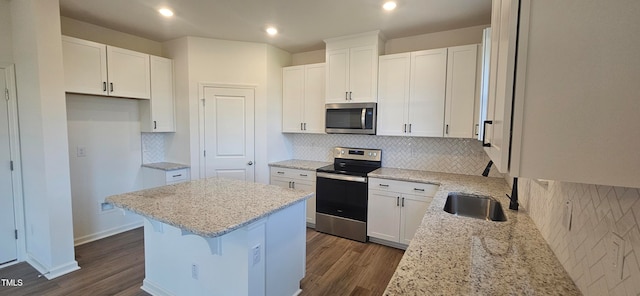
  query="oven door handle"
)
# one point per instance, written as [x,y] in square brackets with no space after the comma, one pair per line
[342,177]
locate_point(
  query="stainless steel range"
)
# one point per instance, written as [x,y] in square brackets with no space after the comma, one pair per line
[342,192]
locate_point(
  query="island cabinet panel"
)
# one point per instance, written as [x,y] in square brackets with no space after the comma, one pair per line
[297,179]
[396,209]
[155,177]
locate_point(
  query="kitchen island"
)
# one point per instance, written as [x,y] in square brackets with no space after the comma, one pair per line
[221,237]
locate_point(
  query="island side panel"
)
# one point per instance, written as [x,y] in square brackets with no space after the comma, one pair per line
[286,250]
[224,265]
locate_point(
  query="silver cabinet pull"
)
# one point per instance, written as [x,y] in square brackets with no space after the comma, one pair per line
[346,95]
[305,126]
[111,86]
[104,86]
[409,127]
[350,96]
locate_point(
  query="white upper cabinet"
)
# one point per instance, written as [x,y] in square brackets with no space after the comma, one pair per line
[85,66]
[412,93]
[574,99]
[129,73]
[157,114]
[98,69]
[303,98]
[461,92]
[352,68]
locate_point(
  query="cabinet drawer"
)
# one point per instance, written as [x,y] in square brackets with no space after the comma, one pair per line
[294,174]
[422,189]
[176,175]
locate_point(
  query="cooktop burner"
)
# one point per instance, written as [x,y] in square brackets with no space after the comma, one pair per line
[353,161]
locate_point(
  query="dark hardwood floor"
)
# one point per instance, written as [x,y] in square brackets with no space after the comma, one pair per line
[115,266]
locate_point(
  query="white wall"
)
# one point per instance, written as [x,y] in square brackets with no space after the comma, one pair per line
[278,145]
[37,48]
[6,52]
[309,57]
[87,31]
[224,62]
[109,130]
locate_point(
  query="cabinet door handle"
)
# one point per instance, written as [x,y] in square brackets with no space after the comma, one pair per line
[383,185]
[293,185]
[281,173]
[350,96]
[409,127]
[303,175]
[155,125]
[179,175]
[403,202]
[346,95]
[484,133]
[104,86]
[418,189]
[404,130]
[397,201]
[446,129]
[305,126]
[111,86]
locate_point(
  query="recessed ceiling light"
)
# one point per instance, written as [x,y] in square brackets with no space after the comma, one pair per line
[272,31]
[166,12]
[389,5]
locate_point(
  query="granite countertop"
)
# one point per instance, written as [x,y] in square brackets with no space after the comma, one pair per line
[209,207]
[165,166]
[309,165]
[455,255]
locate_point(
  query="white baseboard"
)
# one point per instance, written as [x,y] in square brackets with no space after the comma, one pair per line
[153,289]
[55,271]
[106,233]
[388,243]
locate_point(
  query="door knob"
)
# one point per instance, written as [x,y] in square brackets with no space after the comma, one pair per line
[250,162]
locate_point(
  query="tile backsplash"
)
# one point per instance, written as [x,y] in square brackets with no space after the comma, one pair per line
[460,156]
[584,249]
[152,147]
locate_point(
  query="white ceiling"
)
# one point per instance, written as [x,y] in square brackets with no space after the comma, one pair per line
[303,24]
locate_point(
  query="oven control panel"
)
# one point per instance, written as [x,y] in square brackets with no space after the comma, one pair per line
[357,153]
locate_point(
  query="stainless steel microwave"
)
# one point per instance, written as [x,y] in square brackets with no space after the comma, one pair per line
[351,118]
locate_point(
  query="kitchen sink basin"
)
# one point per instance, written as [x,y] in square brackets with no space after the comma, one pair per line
[474,206]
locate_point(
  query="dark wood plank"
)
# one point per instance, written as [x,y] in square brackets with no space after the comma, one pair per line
[115,266]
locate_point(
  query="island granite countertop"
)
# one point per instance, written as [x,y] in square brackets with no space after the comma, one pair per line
[165,166]
[209,207]
[455,255]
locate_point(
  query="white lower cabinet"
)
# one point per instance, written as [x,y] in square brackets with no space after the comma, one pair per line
[155,177]
[396,209]
[297,179]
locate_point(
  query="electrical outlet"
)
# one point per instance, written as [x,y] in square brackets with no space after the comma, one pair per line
[256,254]
[81,151]
[194,271]
[616,253]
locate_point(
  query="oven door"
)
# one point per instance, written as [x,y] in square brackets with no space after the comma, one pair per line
[342,196]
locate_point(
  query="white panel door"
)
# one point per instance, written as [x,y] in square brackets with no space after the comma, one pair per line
[461,91]
[363,74]
[85,66]
[337,76]
[129,73]
[393,94]
[428,82]
[383,215]
[314,98]
[413,210]
[8,251]
[229,133]
[292,99]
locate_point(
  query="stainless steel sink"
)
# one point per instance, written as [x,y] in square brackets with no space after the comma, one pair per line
[474,206]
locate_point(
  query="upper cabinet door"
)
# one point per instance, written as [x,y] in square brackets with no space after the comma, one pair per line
[363,70]
[162,97]
[393,99]
[85,66]
[427,93]
[461,91]
[128,73]
[292,99]
[337,76]
[314,98]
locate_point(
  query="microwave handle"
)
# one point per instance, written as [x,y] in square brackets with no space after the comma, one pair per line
[362,117]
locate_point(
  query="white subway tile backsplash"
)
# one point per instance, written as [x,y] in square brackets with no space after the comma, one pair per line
[585,250]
